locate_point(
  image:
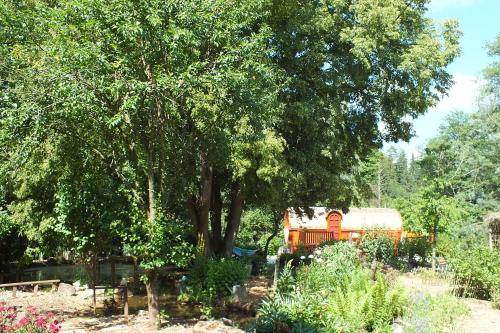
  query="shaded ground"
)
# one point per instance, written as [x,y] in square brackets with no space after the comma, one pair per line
[483,318]
[77,316]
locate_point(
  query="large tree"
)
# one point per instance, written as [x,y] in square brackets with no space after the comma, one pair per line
[133,94]
[348,67]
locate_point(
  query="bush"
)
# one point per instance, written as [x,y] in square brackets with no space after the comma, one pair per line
[476,272]
[331,266]
[32,321]
[210,279]
[332,294]
[223,274]
[416,250]
[377,245]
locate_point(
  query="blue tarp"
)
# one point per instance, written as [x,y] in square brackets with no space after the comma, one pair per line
[243,252]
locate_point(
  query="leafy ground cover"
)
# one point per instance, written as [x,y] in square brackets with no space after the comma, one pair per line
[332,294]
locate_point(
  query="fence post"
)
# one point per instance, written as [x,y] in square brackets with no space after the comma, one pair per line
[302,236]
[14,292]
[490,238]
[125,301]
[113,272]
[136,274]
[94,281]
[277,267]
[35,289]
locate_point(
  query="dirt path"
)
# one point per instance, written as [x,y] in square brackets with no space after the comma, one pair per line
[483,318]
[76,313]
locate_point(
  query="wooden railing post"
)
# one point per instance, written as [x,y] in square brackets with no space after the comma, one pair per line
[302,236]
[113,272]
[125,302]
[35,289]
[14,292]
[136,274]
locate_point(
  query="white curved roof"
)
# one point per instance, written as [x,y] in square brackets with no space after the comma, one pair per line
[355,219]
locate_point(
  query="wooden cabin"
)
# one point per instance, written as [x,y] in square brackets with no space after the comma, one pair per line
[308,228]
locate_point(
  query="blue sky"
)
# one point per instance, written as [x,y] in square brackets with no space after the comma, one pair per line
[479,22]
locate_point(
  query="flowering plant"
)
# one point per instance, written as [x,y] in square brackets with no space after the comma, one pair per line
[31,322]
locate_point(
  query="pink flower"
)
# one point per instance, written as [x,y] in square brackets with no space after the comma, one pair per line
[54,328]
[32,310]
[24,321]
[40,322]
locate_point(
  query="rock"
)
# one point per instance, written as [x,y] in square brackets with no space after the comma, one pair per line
[142,313]
[66,289]
[227,321]
[239,293]
[214,326]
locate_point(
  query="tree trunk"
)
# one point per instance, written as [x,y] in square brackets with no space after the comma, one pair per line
[152,291]
[199,208]
[151,186]
[434,241]
[379,188]
[216,215]
[234,219]
[276,224]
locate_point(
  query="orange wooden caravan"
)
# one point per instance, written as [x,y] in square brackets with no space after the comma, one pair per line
[312,226]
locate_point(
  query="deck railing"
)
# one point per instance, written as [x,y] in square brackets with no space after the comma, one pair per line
[311,238]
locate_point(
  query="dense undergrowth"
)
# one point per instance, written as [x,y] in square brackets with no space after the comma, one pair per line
[334,293]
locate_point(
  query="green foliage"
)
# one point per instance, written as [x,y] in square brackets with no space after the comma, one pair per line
[415,250]
[223,274]
[160,243]
[433,314]
[286,281]
[257,225]
[476,272]
[331,267]
[213,279]
[378,245]
[332,294]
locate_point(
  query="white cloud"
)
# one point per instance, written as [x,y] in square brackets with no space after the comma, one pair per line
[437,5]
[463,95]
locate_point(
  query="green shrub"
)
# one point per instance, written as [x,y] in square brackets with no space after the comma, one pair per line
[377,245]
[476,272]
[213,278]
[332,294]
[286,281]
[330,267]
[416,250]
[222,274]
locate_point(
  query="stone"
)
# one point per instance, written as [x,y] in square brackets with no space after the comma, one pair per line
[227,321]
[142,313]
[239,293]
[214,326]
[66,289]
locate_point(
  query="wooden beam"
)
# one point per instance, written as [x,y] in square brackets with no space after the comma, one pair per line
[28,283]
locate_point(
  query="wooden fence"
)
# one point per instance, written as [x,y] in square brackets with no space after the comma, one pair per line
[35,285]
